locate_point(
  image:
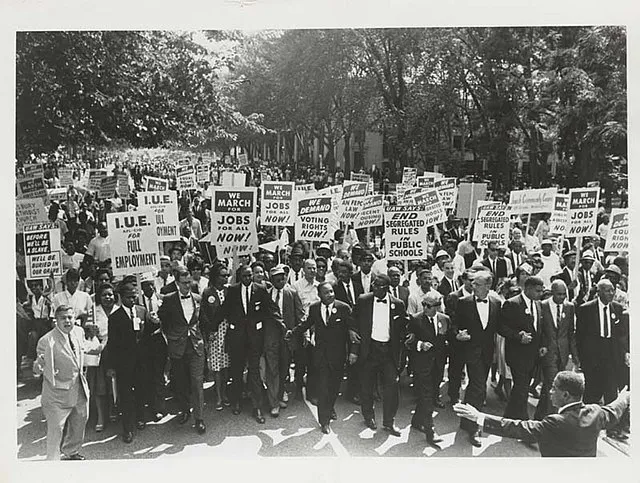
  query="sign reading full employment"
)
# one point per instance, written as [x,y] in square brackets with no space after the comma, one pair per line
[156,184]
[352,194]
[583,211]
[405,232]
[447,191]
[277,205]
[29,211]
[186,178]
[316,219]
[492,225]
[133,238]
[233,221]
[559,215]
[533,201]
[42,250]
[165,206]
[371,212]
[618,234]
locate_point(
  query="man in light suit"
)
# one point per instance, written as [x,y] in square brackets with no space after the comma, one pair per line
[65,391]
[558,322]
[179,318]
[574,431]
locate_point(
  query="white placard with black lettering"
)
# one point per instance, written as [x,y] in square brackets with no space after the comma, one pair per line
[315,218]
[618,233]
[405,231]
[233,221]
[165,206]
[583,211]
[277,203]
[42,250]
[133,238]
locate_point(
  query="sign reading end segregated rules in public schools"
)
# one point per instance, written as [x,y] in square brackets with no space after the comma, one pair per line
[405,229]
[134,242]
[233,221]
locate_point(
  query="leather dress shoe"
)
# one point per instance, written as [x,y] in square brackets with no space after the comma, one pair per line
[158,416]
[325,428]
[392,429]
[127,437]
[438,403]
[332,415]
[474,439]
[184,417]
[200,427]
[236,409]
[73,457]
[275,412]
[141,425]
[433,437]
[371,424]
[259,417]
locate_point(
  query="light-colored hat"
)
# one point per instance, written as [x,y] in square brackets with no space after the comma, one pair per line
[324,246]
[442,253]
[614,269]
[277,270]
[147,277]
[588,255]
[546,241]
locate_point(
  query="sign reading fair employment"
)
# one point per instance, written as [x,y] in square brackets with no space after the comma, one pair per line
[583,210]
[315,220]
[233,221]
[352,194]
[405,232]
[165,205]
[492,224]
[134,242]
[156,184]
[42,250]
[618,234]
[29,212]
[533,201]
[559,215]
[371,212]
[277,206]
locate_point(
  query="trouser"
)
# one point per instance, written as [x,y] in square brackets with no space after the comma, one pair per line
[302,359]
[455,374]
[600,381]
[476,392]
[272,356]
[65,426]
[424,376]
[157,360]
[285,361]
[550,366]
[242,353]
[517,407]
[327,384]
[188,373]
[380,359]
[354,380]
[130,382]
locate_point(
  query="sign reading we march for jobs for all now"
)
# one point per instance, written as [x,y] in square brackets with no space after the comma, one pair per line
[134,242]
[233,221]
[583,211]
[277,205]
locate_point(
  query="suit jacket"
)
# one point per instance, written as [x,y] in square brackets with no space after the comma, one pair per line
[62,368]
[445,287]
[179,330]
[573,432]
[170,288]
[403,294]
[124,347]
[363,324]
[565,276]
[210,310]
[425,332]
[514,318]
[331,339]
[590,344]
[512,259]
[501,269]
[341,292]
[561,339]
[292,314]
[481,345]
[356,279]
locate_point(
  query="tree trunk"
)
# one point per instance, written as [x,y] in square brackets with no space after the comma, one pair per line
[346,152]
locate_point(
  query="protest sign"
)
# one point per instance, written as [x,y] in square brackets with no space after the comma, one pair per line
[364,178]
[203,173]
[165,206]
[425,181]
[31,187]
[532,201]
[409,194]
[95,179]
[243,160]
[122,186]
[186,178]
[336,196]
[433,174]
[559,215]
[618,233]
[229,179]
[583,211]
[108,187]
[277,204]
[405,231]
[593,184]
[352,194]
[133,239]
[59,195]
[233,221]
[435,212]
[371,212]
[315,220]
[33,170]
[492,224]
[65,175]
[306,188]
[42,250]
[29,212]
[156,184]
[468,196]
[409,176]
[447,191]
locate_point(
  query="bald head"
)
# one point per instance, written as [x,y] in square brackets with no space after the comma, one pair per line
[558,291]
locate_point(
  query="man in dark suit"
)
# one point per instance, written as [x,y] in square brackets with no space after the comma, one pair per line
[276,352]
[455,231]
[180,323]
[396,289]
[428,354]
[448,283]
[496,264]
[475,324]
[380,322]
[173,286]
[586,278]
[602,335]
[566,275]
[248,307]
[127,356]
[331,320]
[516,255]
[558,322]
[520,325]
[363,278]
[574,431]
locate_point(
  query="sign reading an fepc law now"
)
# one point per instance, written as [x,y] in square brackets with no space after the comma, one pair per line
[277,205]
[583,211]
[618,234]
[233,221]
[165,206]
[42,250]
[492,224]
[532,201]
[405,231]
[315,220]
[559,215]
[447,191]
[353,193]
[134,242]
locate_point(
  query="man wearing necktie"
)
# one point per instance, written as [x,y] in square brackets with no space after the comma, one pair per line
[520,325]
[396,289]
[379,326]
[475,322]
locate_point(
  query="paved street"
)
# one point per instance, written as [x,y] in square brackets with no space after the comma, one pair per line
[294,433]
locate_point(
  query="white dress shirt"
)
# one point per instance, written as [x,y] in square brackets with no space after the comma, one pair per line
[604,320]
[188,306]
[323,312]
[275,298]
[245,295]
[554,312]
[366,282]
[380,320]
[79,301]
[348,287]
[483,311]
[532,310]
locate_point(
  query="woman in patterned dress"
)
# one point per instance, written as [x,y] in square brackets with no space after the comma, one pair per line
[215,330]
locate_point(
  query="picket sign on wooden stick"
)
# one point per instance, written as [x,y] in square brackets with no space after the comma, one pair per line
[578,250]
[235,263]
[139,284]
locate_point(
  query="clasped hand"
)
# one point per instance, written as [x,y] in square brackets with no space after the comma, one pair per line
[463,335]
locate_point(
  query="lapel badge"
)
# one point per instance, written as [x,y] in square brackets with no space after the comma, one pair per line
[393,306]
[334,311]
[211,299]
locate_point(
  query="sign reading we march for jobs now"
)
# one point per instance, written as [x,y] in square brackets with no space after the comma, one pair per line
[277,204]
[134,242]
[233,221]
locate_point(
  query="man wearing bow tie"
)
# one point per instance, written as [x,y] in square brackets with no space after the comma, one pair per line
[520,325]
[179,315]
[475,323]
[380,323]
